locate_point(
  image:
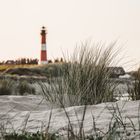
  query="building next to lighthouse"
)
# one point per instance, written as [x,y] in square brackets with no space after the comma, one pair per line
[43,55]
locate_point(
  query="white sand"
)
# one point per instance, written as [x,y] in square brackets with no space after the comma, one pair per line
[31,113]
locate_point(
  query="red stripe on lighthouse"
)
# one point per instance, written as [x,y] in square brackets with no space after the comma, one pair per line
[43,40]
[43,56]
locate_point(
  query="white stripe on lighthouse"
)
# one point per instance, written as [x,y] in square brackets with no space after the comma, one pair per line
[43,47]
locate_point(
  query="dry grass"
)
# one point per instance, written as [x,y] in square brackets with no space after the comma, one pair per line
[5,67]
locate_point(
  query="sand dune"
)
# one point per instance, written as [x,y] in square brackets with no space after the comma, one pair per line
[31,113]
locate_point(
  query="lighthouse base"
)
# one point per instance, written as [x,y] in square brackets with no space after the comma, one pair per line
[44,62]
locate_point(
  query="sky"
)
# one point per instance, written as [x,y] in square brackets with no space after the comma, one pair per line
[68,22]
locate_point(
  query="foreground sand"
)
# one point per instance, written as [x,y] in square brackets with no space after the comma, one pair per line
[32,113]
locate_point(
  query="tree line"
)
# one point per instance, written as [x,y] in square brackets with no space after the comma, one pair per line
[28,61]
[21,61]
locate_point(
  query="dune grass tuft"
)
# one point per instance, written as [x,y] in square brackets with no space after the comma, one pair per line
[84,78]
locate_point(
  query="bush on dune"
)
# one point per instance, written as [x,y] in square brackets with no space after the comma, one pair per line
[6,87]
[24,88]
[134,89]
[9,87]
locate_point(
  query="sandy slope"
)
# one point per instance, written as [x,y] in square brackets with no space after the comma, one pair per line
[31,113]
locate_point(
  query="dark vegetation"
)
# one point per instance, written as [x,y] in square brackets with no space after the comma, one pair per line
[11,87]
[21,61]
[6,87]
[25,71]
[30,136]
[24,88]
[53,70]
[49,70]
[134,91]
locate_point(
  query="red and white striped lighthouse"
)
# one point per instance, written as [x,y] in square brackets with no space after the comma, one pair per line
[43,57]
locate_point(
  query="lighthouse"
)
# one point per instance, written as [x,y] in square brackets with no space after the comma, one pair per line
[43,56]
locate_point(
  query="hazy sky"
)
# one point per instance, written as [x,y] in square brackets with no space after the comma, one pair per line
[68,22]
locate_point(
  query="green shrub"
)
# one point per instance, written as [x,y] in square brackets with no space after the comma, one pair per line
[6,87]
[25,88]
[30,136]
[52,70]
[134,89]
